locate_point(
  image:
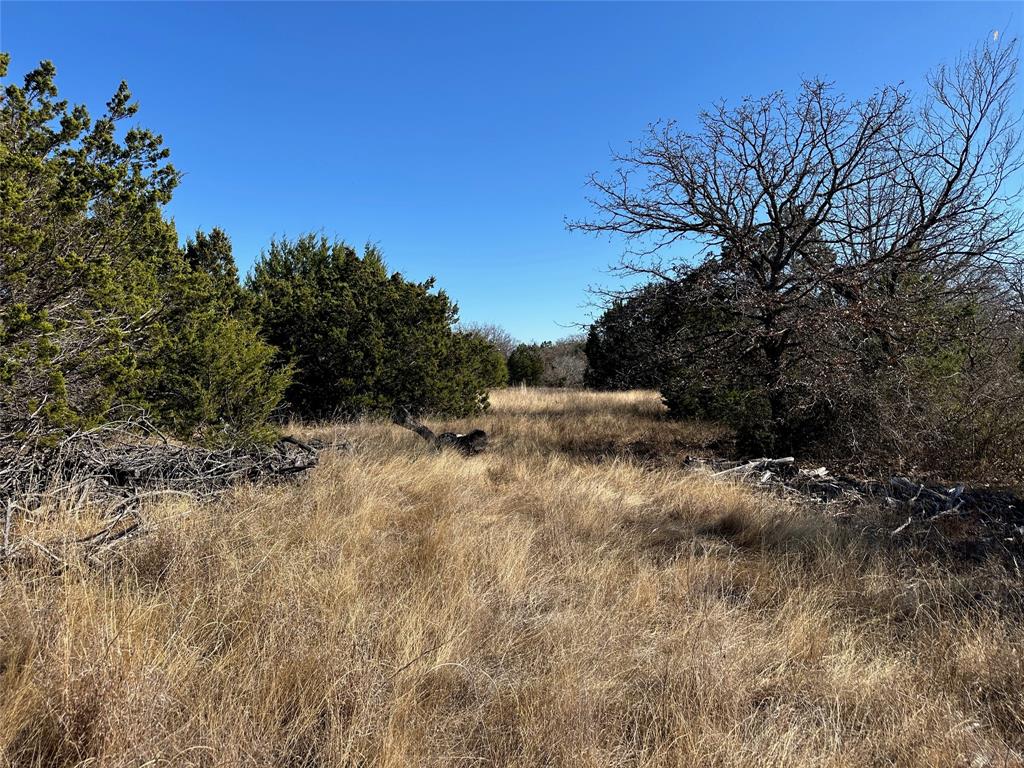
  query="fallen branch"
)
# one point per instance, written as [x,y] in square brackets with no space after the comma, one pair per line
[121,463]
[756,465]
[991,520]
[467,444]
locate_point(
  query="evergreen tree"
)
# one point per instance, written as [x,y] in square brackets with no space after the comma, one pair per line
[485,356]
[212,376]
[82,242]
[361,340]
[525,366]
[483,359]
[98,305]
[628,346]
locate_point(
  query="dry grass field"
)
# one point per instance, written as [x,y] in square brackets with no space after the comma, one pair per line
[573,596]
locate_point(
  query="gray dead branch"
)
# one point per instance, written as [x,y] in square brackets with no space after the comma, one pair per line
[468,444]
[987,520]
[125,463]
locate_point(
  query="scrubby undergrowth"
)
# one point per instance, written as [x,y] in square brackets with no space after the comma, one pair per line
[557,600]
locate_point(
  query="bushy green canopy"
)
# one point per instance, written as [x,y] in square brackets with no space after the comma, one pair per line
[525,366]
[82,243]
[362,340]
[99,307]
[629,345]
[213,377]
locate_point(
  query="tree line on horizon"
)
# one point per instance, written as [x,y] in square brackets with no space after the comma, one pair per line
[559,363]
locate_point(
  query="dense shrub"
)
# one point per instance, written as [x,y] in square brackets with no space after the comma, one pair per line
[950,403]
[362,340]
[525,366]
[482,358]
[947,400]
[98,305]
[214,377]
[627,346]
[82,244]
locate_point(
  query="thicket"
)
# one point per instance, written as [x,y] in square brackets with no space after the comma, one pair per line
[525,366]
[558,363]
[857,293]
[363,340]
[564,362]
[213,376]
[627,347]
[101,309]
[485,361]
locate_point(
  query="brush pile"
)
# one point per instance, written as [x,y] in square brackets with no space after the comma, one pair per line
[977,522]
[119,464]
[131,455]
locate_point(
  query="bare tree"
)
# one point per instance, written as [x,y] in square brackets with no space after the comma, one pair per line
[830,224]
[495,334]
[564,362]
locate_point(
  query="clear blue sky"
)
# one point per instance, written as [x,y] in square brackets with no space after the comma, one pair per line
[456,136]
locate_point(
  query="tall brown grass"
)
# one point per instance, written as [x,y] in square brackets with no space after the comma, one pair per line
[559,600]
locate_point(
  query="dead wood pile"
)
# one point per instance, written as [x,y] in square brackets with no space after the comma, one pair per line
[982,520]
[116,466]
[468,444]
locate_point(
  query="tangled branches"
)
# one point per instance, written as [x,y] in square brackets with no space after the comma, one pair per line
[974,523]
[127,460]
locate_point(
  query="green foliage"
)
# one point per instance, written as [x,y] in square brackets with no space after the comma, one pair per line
[525,366]
[627,347]
[228,387]
[483,358]
[361,340]
[473,366]
[82,243]
[212,376]
[98,306]
[662,337]
[749,408]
